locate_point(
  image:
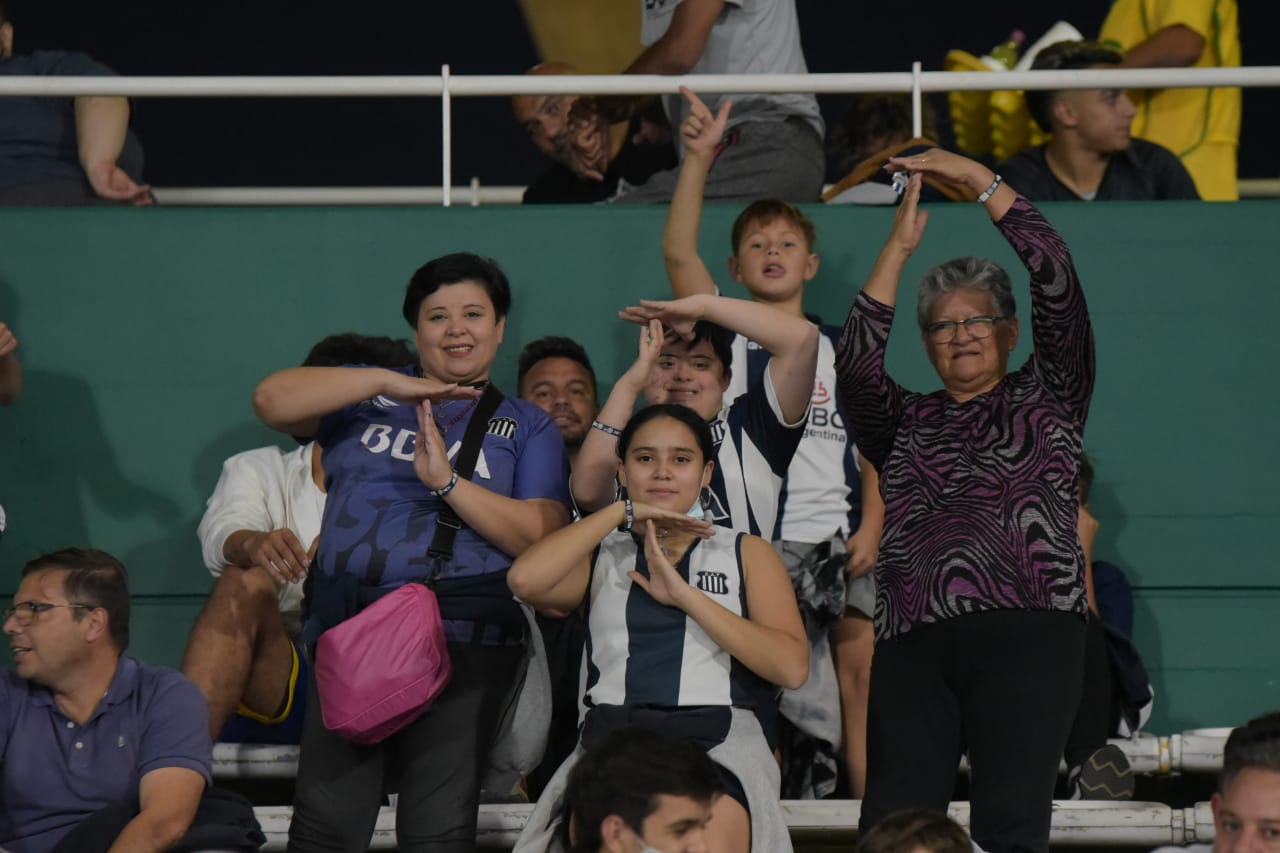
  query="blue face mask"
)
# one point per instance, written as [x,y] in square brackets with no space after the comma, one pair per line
[696,510]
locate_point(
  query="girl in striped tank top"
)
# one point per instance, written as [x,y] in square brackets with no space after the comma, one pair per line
[690,627]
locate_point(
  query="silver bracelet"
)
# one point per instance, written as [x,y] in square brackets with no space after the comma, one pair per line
[606,429]
[991,190]
[439,493]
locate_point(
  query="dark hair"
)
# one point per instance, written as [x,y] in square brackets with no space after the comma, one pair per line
[767,210]
[95,578]
[351,348]
[6,12]
[1064,56]
[623,775]
[720,338]
[1256,744]
[875,120]
[452,269]
[685,415]
[911,829]
[552,346]
[1086,477]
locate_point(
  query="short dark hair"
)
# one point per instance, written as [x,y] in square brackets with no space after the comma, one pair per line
[873,117]
[552,346]
[94,578]
[351,348]
[452,269]
[1256,745]
[1064,56]
[911,829]
[625,773]
[766,210]
[685,415]
[720,338]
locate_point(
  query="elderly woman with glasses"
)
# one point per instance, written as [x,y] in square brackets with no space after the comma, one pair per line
[980,611]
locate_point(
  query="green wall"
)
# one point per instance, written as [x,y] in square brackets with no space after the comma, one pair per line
[144,331]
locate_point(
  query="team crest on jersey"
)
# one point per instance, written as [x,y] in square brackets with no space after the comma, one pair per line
[718,427]
[502,427]
[821,393]
[384,402]
[713,583]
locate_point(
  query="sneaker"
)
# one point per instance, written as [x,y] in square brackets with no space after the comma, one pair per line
[1105,775]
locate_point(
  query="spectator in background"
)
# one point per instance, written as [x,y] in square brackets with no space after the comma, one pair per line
[554,373]
[773,144]
[386,436]
[831,513]
[1091,155]
[638,788]
[258,536]
[980,599]
[10,367]
[1200,126]
[64,151]
[630,151]
[1246,806]
[90,737]
[875,127]
[915,831]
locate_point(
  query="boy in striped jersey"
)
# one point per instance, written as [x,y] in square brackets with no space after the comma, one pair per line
[827,510]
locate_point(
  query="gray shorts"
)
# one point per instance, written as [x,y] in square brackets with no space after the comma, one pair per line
[859,593]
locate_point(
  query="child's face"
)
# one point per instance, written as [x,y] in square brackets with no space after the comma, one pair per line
[773,260]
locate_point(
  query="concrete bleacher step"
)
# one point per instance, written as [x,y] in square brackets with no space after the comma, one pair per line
[1195,751]
[1075,823]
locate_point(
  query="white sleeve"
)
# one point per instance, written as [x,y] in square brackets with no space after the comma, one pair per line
[250,495]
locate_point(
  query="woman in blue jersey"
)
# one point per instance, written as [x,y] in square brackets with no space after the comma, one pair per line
[389,439]
[689,627]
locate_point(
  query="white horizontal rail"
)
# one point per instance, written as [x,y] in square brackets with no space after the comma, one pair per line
[633,84]
[1252,188]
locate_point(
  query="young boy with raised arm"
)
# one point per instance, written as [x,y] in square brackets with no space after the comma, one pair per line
[827,508]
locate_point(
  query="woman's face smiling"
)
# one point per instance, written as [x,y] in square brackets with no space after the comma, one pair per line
[458,333]
[664,467]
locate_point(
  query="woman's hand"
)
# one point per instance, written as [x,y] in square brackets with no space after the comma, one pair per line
[430,458]
[415,389]
[945,166]
[651,340]
[664,583]
[670,521]
[701,131]
[909,222]
[677,315]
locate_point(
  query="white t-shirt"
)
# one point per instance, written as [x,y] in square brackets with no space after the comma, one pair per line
[264,489]
[750,37]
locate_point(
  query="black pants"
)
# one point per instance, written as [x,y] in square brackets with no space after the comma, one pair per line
[1004,685]
[435,763]
[1097,715]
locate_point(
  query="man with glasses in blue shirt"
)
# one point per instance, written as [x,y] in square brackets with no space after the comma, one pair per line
[83,727]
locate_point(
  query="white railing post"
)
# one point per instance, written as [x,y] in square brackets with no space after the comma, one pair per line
[446,138]
[917,106]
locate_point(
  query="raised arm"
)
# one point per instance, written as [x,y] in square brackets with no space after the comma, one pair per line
[701,132]
[509,523]
[10,367]
[793,341]
[101,125]
[294,400]
[596,464]
[771,642]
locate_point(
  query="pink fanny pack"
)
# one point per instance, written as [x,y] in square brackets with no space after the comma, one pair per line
[381,669]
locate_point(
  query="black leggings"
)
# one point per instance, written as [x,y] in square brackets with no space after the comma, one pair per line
[1004,685]
[437,761]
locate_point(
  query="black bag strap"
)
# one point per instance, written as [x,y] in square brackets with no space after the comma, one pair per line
[464,464]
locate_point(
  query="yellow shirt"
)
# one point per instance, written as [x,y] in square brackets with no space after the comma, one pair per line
[1186,120]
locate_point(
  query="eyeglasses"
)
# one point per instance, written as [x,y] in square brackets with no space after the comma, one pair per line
[25,612]
[977,327]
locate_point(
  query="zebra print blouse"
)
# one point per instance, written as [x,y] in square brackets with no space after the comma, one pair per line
[980,497]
